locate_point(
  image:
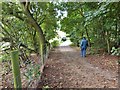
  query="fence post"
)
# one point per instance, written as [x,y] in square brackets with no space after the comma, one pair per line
[16,69]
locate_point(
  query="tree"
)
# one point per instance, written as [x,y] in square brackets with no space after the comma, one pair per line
[36,21]
[97,21]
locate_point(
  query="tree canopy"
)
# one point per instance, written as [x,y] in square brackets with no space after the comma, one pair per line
[33,24]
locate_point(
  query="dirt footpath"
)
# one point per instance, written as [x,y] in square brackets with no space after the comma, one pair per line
[66,69]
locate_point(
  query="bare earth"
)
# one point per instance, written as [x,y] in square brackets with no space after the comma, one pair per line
[66,69]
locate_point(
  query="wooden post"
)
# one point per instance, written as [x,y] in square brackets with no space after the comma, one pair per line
[16,70]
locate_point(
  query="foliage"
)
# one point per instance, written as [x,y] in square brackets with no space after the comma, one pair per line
[115,51]
[19,32]
[32,72]
[99,22]
[16,29]
[55,43]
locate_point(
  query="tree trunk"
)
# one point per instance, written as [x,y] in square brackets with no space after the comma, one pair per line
[108,42]
[89,43]
[38,29]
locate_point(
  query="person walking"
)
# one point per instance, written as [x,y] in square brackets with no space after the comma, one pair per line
[83,46]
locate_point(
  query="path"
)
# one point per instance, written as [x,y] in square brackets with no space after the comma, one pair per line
[66,69]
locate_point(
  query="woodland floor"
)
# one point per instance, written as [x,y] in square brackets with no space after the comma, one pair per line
[66,69]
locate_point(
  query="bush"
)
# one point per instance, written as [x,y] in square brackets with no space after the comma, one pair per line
[115,51]
[55,43]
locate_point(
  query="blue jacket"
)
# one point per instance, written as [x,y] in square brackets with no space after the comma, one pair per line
[83,43]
